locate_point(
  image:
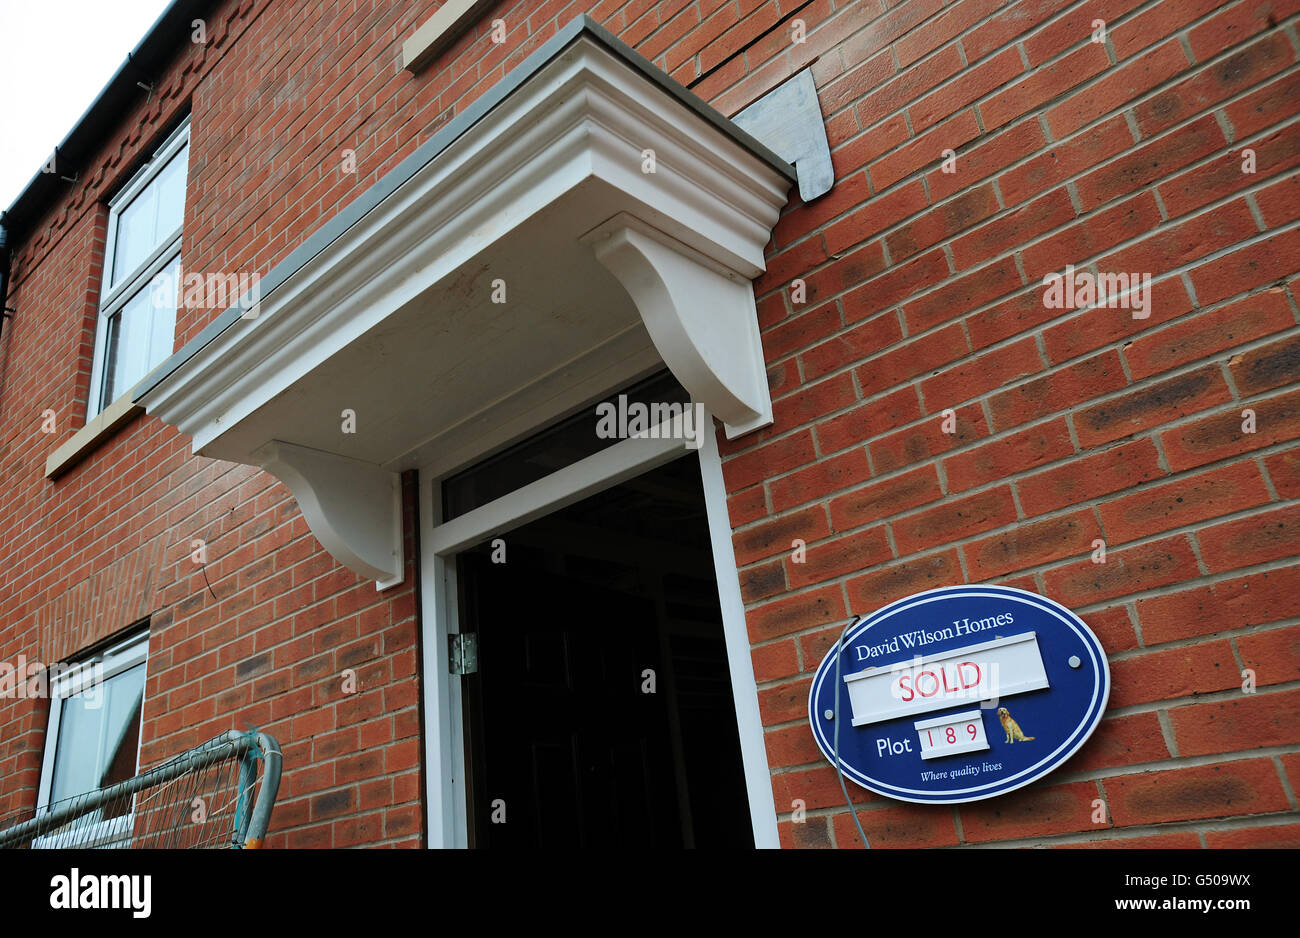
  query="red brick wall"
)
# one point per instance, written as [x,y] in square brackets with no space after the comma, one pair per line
[922,294]
[925,293]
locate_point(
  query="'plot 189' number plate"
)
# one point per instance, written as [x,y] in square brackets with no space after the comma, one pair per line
[952,734]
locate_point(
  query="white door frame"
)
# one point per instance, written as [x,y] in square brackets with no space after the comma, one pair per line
[439,543]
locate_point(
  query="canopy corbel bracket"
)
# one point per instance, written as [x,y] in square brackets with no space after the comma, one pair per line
[353,508]
[700,315]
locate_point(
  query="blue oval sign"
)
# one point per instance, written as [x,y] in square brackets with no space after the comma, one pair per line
[960,693]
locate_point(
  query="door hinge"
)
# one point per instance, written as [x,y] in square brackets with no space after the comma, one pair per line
[463,652]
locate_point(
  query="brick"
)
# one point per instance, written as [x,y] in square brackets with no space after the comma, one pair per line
[753,466]
[1016,227]
[1222,434]
[1040,397]
[1226,790]
[884,498]
[851,346]
[791,746]
[777,660]
[822,478]
[785,702]
[987,156]
[869,420]
[1270,837]
[955,519]
[1284,471]
[1280,202]
[1035,812]
[1043,84]
[904,826]
[923,149]
[952,22]
[1187,500]
[1092,329]
[1229,604]
[1263,107]
[875,215]
[971,85]
[871,591]
[1009,455]
[795,613]
[927,439]
[1146,567]
[964,211]
[1267,367]
[1247,268]
[816,788]
[801,330]
[978,376]
[1112,626]
[1186,241]
[1151,162]
[1262,537]
[1222,176]
[1177,841]
[1032,544]
[1095,232]
[1125,740]
[774,536]
[895,285]
[1155,23]
[1236,23]
[810,834]
[1207,333]
[1242,723]
[813,401]
[973,289]
[1203,89]
[1274,655]
[1173,673]
[1151,406]
[846,554]
[762,581]
[912,358]
[1119,86]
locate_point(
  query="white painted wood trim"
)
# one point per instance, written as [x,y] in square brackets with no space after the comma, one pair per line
[353,508]
[744,689]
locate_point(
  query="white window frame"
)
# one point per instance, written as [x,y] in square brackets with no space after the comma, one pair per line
[130,653]
[444,741]
[111,300]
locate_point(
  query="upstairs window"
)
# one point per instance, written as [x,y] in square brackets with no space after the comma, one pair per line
[137,308]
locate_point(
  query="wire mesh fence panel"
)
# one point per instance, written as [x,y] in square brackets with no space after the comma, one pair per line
[211,796]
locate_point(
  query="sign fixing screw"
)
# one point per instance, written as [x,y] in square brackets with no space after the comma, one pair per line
[1074,661]
[829,714]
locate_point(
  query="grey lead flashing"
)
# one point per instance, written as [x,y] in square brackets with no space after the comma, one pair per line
[359,207]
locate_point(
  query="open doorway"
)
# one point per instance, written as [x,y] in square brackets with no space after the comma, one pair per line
[601,711]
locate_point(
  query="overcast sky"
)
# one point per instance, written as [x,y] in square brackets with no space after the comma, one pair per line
[55,58]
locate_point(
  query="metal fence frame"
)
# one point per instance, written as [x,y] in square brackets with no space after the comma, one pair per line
[250,825]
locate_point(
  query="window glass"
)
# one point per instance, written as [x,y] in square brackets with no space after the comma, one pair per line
[98,736]
[150,218]
[552,449]
[141,333]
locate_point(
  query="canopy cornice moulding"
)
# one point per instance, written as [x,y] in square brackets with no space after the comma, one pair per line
[619,219]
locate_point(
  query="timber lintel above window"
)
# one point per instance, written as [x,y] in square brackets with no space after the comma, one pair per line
[584,223]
